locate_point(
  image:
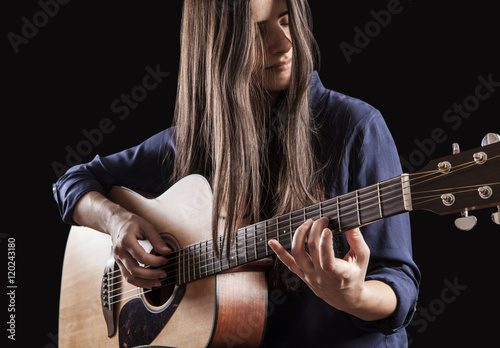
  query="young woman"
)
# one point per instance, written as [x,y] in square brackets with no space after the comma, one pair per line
[253,117]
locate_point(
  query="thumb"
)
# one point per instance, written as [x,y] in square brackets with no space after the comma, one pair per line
[156,240]
[359,248]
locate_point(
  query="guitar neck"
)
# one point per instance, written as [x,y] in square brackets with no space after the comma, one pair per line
[348,211]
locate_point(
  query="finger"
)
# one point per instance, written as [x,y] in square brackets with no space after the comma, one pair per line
[285,257]
[327,254]
[158,244]
[140,282]
[302,258]
[314,239]
[139,254]
[359,249]
[156,240]
[138,271]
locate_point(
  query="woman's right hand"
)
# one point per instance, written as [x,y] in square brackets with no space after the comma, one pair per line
[128,253]
[126,230]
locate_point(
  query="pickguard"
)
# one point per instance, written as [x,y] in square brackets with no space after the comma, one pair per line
[138,326]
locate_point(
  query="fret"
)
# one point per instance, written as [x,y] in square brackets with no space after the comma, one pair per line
[357,208]
[178,252]
[241,254]
[183,266]
[233,261]
[368,205]
[236,249]
[189,269]
[392,197]
[255,241]
[210,258]
[245,242]
[312,212]
[223,261]
[320,210]
[250,246]
[379,202]
[278,229]
[347,206]
[199,254]
[196,263]
[217,263]
[338,214]
[283,230]
[193,261]
[203,259]
[265,237]
[261,246]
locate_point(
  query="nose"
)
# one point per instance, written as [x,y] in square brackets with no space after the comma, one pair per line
[278,41]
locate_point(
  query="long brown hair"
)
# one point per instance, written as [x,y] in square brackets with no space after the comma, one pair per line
[223,114]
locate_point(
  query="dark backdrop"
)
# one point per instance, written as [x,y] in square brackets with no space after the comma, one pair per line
[67,67]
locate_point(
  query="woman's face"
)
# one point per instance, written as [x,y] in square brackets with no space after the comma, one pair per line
[271,17]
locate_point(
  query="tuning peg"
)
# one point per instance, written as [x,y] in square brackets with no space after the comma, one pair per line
[455,148]
[466,222]
[496,216]
[490,138]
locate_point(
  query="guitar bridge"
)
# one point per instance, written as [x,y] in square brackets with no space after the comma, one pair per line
[107,290]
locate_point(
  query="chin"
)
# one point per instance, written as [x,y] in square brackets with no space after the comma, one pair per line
[277,83]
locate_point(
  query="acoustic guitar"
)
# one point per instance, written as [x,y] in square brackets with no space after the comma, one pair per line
[207,301]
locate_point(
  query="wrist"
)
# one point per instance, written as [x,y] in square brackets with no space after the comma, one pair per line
[374,300]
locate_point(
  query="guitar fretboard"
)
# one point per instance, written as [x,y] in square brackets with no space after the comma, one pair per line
[348,211]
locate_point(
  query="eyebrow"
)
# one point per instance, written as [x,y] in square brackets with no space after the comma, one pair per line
[282,14]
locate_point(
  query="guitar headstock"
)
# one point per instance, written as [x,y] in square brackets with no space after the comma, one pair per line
[460,183]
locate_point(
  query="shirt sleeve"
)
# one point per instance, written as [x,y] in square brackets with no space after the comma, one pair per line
[145,167]
[371,158]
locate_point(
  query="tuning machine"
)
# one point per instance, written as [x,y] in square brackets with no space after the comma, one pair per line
[496,216]
[489,139]
[466,222]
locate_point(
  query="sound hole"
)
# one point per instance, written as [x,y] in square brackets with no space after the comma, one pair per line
[157,298]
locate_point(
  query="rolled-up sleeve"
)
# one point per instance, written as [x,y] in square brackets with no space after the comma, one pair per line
[145,167]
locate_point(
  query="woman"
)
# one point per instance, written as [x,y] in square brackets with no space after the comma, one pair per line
[253,117]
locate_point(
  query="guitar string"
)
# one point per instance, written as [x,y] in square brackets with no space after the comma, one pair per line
[174,277]
[220,266]
[297,220]
[312,214]
[322,211]
[325,207]
[205,265]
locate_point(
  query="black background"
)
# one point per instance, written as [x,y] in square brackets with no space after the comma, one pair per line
[66,77]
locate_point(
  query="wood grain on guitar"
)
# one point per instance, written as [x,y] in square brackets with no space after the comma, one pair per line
[204,301]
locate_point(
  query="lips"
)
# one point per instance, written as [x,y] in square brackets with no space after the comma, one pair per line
[281,66]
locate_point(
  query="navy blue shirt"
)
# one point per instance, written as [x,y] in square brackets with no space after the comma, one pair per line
[357,150]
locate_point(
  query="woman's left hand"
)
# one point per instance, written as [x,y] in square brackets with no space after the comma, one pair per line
[340,282]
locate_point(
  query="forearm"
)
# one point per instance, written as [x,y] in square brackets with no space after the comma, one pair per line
[97,212]
[376,301]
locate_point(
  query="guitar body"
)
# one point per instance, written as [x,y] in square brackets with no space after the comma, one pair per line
[205,312]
